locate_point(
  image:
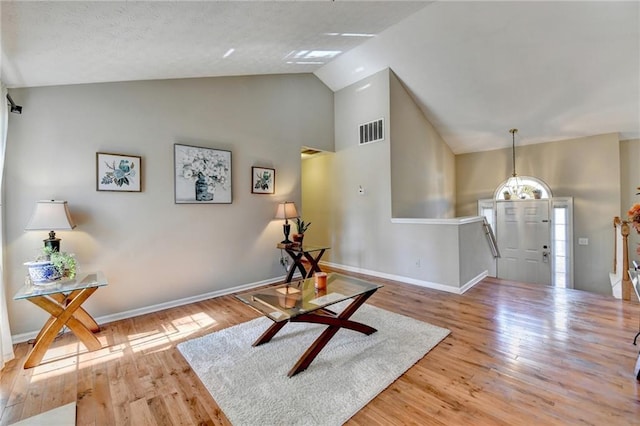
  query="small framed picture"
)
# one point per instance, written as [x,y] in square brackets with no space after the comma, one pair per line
[118,172]
[263,180]
[202,175]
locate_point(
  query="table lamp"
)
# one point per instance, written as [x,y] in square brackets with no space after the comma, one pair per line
[51,215]
[286,211]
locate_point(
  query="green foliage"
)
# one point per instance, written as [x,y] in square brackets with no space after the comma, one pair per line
[64,262]
[301,225]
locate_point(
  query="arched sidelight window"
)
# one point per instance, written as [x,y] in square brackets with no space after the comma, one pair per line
[522,188]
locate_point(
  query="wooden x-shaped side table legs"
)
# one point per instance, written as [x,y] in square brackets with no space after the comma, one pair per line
[297,257]
[324,316]
[64,310]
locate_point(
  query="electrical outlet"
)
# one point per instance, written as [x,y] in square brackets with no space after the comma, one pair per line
[583,241]
[418,263]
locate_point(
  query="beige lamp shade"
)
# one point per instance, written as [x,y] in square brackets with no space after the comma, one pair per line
[51,215]
[286,210]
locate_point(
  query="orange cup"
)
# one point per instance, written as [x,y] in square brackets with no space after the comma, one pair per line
[320,280]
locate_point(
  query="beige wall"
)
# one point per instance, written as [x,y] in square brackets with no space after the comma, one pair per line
[152,250]
[359,227]
[630,181]
[422,164]
[587,169]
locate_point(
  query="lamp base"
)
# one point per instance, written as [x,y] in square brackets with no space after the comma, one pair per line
[53,243]
[286,229]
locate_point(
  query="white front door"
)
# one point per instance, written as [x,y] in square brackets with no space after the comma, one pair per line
[524,238]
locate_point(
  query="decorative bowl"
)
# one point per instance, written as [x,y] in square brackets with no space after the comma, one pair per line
[42,272]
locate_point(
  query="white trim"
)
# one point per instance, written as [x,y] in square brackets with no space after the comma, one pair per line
[413,281]
[473,281]
[23,337]
[454,221]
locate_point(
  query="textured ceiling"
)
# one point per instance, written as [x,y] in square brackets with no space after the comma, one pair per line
[555,70]
[52,43]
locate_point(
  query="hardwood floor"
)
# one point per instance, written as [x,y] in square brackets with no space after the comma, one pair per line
[517,354]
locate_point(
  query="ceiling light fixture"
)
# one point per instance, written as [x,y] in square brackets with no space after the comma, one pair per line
[513,183]
[357,35]
[229,52]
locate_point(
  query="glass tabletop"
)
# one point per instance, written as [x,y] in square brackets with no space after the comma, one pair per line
[286,301]
[305,248]
[64,285]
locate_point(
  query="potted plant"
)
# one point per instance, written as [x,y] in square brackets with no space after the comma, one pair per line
[51,265]
[301,226]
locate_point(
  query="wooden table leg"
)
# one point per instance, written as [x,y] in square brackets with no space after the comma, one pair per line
[313,263]
[62,315]
[296,256]
[336,323]
[82,315]
[269,333]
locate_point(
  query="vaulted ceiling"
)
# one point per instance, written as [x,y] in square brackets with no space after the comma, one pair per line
[555,70]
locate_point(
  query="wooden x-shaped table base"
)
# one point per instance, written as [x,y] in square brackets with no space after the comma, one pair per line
[64,310]
[321,316]
[297,255]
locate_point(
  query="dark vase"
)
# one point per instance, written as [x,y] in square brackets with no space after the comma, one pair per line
[201,190]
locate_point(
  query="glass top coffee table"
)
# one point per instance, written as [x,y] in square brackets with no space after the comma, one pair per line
[302,302]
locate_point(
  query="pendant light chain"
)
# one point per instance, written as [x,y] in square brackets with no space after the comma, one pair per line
[513,149]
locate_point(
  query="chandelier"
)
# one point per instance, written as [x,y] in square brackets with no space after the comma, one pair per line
[514,184]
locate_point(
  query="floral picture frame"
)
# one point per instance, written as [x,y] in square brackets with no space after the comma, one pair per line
[202,175]
[263,180]
[118,172]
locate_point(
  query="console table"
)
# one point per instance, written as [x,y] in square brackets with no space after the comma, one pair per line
[312,254]
[63,300]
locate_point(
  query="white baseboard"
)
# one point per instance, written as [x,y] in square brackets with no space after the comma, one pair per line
[23,337]
[413,281]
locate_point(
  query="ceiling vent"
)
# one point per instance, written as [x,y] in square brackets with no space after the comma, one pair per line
[372,131]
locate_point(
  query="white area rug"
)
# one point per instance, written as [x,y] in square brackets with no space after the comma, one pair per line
[251,385]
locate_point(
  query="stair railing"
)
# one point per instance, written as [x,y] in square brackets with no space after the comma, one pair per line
[621,229]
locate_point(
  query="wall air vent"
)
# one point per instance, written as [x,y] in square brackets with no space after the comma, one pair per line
[372,131]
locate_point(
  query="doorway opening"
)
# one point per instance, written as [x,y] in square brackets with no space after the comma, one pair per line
[534,234]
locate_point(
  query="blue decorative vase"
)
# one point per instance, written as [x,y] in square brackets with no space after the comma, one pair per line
[42,272]
[201,190]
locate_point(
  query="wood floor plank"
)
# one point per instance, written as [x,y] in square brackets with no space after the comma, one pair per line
[517,354]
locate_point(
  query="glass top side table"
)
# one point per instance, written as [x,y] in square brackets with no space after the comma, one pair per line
[63,300]
[297,252]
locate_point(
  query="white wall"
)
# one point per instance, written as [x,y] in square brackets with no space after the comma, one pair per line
[152,250]
[630,181]
[362,235]
[422,164]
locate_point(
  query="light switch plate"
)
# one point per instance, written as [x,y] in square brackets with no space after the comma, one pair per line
[583,241]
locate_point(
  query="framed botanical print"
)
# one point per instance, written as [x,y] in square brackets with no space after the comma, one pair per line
[263,180]
[118,172]
[202,175]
